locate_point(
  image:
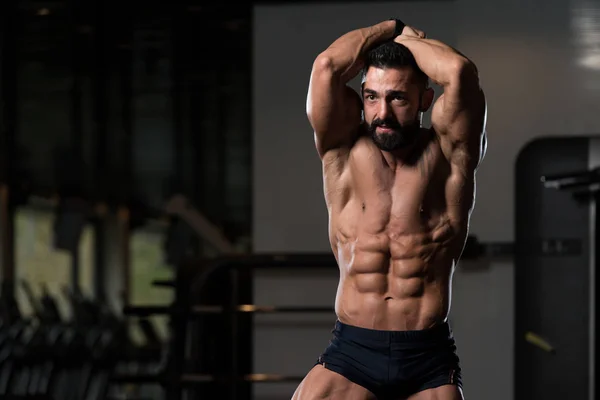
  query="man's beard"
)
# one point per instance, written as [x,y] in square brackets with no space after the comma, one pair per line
[400,137]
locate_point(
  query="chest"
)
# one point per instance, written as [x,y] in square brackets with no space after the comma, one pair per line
[402,199]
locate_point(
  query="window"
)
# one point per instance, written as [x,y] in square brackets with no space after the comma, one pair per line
[38,263]
[148,265]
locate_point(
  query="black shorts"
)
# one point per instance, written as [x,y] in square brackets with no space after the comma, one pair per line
[393,364]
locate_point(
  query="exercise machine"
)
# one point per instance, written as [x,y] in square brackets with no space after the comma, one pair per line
[556,264]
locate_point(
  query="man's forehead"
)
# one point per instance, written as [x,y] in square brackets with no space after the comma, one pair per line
[396,78]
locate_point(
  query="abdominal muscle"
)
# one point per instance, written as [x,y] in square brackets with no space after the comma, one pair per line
[395,282]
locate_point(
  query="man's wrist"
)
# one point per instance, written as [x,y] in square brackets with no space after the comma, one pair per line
[398,27]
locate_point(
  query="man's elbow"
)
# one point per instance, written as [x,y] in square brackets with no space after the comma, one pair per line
[468,73]
[323,64]
[464,72]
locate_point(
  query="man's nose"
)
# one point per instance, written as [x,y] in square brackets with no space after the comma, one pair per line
[384,110]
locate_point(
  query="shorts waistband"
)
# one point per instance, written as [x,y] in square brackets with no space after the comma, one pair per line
[439,332]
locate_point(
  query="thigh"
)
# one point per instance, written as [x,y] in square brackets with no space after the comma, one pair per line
[445,392]
[321,383]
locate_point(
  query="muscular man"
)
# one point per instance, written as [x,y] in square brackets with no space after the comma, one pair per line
[399,198]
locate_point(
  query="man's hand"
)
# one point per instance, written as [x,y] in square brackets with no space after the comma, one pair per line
[409,31]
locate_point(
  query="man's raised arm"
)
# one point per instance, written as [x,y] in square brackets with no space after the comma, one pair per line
[459,115]
[333,108]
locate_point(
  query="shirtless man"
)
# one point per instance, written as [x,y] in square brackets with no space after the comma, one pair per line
[399,198]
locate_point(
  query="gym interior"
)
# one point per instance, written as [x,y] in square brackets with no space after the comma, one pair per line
[163,233]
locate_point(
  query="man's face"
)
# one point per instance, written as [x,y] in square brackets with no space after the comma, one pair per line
[392,103]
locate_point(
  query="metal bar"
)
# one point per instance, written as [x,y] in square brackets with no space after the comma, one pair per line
[274,260]
[137,378]
[233,349]
[187,379]
[99,253]
[73,179]
[10,20]
[75,267]
[572,180]
[253,308]
[498,249]
[256,378]
[99,136]
[100,87]
[177,53]
[201,309]
[163,283]
[126,91]
[223,122]
[179,339]
[594,242]
[7,243]
[146,311]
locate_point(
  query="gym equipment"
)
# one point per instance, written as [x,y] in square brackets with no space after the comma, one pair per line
[191,319]
[474,250]
[48,357]
[557,181]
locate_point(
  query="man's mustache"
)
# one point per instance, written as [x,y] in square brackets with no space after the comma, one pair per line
[387,123]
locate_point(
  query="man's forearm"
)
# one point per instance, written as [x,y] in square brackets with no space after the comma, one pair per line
[440,62]
[346,55]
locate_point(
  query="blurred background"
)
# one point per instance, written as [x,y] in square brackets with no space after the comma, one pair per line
[163,233]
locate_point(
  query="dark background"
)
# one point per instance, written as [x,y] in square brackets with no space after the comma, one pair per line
[126,101]
[129,102]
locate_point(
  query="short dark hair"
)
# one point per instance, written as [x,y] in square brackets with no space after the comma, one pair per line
[392,55]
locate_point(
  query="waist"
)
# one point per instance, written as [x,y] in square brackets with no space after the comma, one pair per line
[404,305]
[434,334]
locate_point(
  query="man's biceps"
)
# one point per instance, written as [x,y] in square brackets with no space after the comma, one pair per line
[464,99]
[474,104]
[327,125]
[468,116]
[463,130]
